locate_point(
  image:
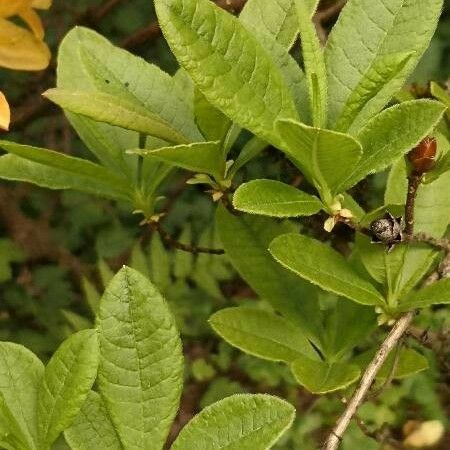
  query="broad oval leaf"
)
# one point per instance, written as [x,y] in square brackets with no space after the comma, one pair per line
[200,157]
[246,241]
[436,293]
[391,134]
[115,111]
[321,265]
[141,363]
[261,333]
[365,33]
[55,170]
[227,64]
[275,199]
[320,377]
[92,429]
[239,422]
[325,156]
[67,380]
[21,372]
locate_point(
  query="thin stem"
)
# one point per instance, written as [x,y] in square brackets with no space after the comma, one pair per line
[170,240]
[414,181]
[396,333]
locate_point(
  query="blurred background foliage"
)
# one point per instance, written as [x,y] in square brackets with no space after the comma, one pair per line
[59,249]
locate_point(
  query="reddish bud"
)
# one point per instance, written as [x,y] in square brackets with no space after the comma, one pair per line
[422,157]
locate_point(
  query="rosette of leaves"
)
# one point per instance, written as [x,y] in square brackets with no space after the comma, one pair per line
[135,357]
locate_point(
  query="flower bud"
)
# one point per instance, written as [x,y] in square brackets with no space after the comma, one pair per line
[423,156]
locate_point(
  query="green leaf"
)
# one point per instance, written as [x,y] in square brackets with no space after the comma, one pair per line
[391,134]
[320,377]
[275,199]
[9,253]
[68,378]
[239,422]
[441,94]
[434,294]
[20,375]
[314,61]
[325,156]
[249,151]
[432,216]
[365,34]
[246,241]
[160,263]
[227,64]
[321,265]
[261,333]
[383,70]
[88,61]
[55,170]
[141,363]
[115,111]
[92,429]
[201,157]
[277,19]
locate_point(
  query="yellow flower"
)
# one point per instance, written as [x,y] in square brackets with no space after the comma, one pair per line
[5,114]
[21,48]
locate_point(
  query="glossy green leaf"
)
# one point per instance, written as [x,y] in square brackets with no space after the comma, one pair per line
[325,156]
[277,19]
[227,64]
[391,134]
[246,241]
[67,380]
[261,333]
[20,375]
[320,377]
[239,422]
[115,111]
[55,170]
[276,199]
[434,294]
[141,363]
[89,62]
[365,34]
[92,429]
[200,157]
[383,70]
[314,62]
[321,265]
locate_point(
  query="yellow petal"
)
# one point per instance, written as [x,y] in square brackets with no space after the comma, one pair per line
[20,49]
[5,113]
[427,434]
[41,4]
[10,8]
[32,19]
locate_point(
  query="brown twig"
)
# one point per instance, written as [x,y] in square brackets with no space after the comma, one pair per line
[170,240]
[397,331]
[414,180]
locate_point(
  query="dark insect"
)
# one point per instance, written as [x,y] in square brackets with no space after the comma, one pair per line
[107,81]
[127,84]
[387,230]
[422,158]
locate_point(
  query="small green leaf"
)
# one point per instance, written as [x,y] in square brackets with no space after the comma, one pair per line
[261,333]
[275,199]
[287,293]
[277,19]
[320,377]
[325,156]
[239,422]
[382,141]
[227,64]
[321,265]
[249,151]
[441,94]
[115,111]
[201,157]
[20,375]
[141,363]
[314,61]
[436,293]
[68,378]
[55,170]
[92,429]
